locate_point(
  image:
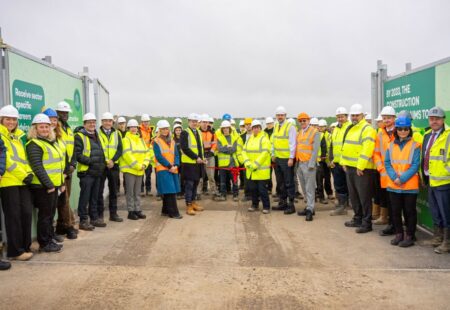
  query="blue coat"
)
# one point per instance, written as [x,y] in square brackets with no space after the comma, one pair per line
[167,182]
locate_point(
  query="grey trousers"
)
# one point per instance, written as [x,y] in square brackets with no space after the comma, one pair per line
[133,189]
[307,179]
[211,162]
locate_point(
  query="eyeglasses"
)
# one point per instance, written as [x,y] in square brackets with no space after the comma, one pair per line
[403,129]
[302,120]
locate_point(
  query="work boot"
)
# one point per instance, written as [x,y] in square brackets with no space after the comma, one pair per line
[445,245]
[51,248]
[388,231]
[114,217]
[196,206]
[304,212]
[398,238]
[176,216]
[71,233]
[438,236]
[290,209]
[383,219]
[352,223]
[190,209]
[23,257]
[98,223]
[140,215]
[407,242]
[132,216]
[58,238]
[309,216]
[252,208]
[84,225]
[375,211]
[281,206]
[4,265]
[340,210]
[363,229]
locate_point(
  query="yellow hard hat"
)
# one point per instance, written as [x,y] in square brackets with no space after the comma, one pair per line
[248,121]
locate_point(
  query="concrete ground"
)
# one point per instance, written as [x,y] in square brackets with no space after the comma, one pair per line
[227,258]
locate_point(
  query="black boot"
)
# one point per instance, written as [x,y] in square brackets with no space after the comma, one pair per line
[140,215]
[132,216]
[290,207]
[71,233]
[114,217]
[388,231]
[282,205]
[4,265]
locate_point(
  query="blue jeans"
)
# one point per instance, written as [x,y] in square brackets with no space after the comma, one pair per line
[89,188]
[190,190]
[340,183]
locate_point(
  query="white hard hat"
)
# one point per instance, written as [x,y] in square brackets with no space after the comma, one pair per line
[177,120]
[341,111]
[356,109]
[63,107]
[314,121]
[323,123]
[280,110]
[89,117]
[163,124]
[9,111]
[241,123]
[379,118]
[177,126]
[232,121]
[334,124]
[256,122]
[121,119]
[368,116]
[193,117]
[107,116]
[204,118]
[225,124]
[436,112]
[269,120]
[41,118]
[145,118]
[211,119]
[388,111]
[292,121]
[132,123]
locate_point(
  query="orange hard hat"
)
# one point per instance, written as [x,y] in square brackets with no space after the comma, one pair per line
[303,115]
[248,120]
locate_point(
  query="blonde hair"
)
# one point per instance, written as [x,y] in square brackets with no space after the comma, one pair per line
[32,134]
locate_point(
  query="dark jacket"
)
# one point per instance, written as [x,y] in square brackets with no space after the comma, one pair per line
[191,171]
[34,154]
[269,132]
[2,157]
[119,144]
[96,160]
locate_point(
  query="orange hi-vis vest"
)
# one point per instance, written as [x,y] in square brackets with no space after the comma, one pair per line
[401,160]
[167,151]
[381,145]
[305,142]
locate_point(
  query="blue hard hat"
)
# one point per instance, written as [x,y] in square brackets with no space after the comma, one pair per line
[405,113]
[403,121]
[226,117]
[50,112]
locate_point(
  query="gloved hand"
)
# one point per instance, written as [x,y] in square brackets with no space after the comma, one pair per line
[28,179]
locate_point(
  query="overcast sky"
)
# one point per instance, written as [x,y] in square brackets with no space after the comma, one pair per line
[241,57]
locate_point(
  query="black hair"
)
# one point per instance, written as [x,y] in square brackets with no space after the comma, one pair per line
[409,134]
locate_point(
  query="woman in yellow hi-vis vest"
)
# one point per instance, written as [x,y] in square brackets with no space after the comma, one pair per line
[16,198]
[257,161]
[48,162]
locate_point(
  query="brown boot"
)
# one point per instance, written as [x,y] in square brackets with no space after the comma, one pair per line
[445,245]
[190,209]
[196,206]
[438,236]
[375,211]
[383,219]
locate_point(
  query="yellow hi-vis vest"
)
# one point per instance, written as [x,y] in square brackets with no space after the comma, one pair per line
[257,152]
[109,144]
[327,136]
[337,138]
[439,165]
[53,160]
[86,151]
[225,159]
[280,140]
[358,146]
[17,167]
[192,143]
[135,154]
[69,139]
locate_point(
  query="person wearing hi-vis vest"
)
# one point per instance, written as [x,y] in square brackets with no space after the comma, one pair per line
[91,164]
[66,218]
[167,159]
[308,144]
[227,145]
[257,161]
[339,178]
[49,165]
[356,159]
[402,162]
[209,147]
[16,198]
[147,133]
[112,149]
[192,163]
[323,174]
[283,155]
[435,169]
[133,162]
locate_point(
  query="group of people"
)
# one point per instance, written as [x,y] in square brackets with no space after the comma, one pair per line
[378,171]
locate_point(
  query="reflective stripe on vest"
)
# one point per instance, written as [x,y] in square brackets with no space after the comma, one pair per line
[69,139]
[439,171]
[280,138]
[86,151]
[305,145]
[192,144]
[167,151]
[109,144]
[52,161]
[401,160]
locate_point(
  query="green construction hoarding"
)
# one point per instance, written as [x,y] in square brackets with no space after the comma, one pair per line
[417,92]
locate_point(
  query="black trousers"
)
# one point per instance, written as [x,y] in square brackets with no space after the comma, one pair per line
[169,205]
[360,189]
[46,204]
[323,180]
[340,184]
[17,208]
[87,203]
[112,175]
[377,190]
[270,182]
[148,179]
[285,178]
[406,204]
[258,190]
